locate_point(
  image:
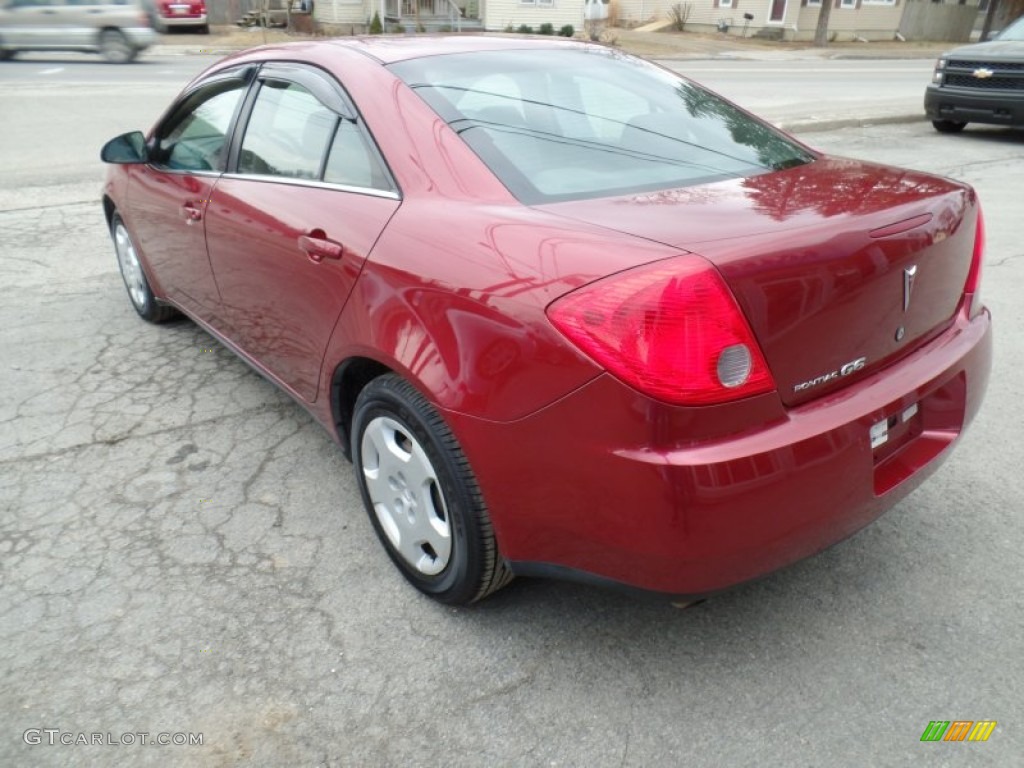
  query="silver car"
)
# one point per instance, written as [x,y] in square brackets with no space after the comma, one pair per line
[117,29]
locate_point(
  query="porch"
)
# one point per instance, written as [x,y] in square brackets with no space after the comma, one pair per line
[432,15]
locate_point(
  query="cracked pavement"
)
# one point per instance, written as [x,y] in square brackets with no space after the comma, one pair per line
[183,550]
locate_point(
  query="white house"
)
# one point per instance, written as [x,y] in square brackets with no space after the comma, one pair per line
[782,19]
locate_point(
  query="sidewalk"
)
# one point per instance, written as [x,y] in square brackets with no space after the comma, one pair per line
[674,46]
[694,46]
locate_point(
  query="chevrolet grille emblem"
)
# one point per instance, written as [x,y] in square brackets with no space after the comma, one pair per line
[983,74]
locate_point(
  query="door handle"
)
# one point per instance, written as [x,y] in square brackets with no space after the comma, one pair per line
[191,212]
[317,247]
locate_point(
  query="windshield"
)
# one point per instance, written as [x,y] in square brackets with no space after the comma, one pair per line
[1013,32]
[571,124]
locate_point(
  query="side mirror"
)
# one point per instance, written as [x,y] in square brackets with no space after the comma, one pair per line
[126,149]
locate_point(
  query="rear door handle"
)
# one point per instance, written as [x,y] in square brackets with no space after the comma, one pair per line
[317,247]
[191,212]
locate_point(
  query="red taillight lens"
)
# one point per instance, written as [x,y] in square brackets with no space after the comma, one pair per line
[671,329]
[973,284]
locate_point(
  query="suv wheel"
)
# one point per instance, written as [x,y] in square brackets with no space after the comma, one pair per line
[115,48]
[948,126]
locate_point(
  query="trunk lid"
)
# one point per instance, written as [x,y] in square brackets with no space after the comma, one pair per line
[841,267]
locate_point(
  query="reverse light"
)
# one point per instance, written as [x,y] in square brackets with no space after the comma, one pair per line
[671,329]
[973,285]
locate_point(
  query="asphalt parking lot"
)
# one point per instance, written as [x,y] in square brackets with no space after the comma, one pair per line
[183,551]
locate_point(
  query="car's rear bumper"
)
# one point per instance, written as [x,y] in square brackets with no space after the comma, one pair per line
[196,20]
[606,485]
[965,106]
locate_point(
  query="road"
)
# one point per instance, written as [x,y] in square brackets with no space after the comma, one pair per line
[183,550]
[59,92]
[789,91]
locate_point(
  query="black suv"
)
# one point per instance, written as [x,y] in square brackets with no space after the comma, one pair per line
[981,83]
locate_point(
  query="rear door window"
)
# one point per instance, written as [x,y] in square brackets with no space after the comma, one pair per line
[288,133]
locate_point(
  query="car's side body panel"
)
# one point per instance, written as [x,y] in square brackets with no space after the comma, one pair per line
[64,26]
[165,216]
[280,302]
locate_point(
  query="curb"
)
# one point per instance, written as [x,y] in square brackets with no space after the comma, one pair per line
[815,126]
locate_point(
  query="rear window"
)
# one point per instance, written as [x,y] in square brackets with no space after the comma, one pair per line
[567,125]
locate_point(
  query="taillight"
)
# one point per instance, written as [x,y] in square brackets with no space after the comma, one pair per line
[973,284]
[671,329]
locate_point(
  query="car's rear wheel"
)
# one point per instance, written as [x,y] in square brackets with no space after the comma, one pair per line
[948,126]
[134,277]
[422,496]
[115,48]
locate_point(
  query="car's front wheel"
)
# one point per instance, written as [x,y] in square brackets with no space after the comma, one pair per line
[134,277]
[422,496]
[115,48]
[948,126]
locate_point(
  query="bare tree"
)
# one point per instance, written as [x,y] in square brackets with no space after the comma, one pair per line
[680,13]
[821,31]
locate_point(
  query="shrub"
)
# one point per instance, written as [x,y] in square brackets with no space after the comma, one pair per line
[509,27]
[525,29]
[567,31]
[376,28]
[547,29]
[680,13]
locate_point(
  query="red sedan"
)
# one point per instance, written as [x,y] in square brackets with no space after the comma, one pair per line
[568,313]
[184,13]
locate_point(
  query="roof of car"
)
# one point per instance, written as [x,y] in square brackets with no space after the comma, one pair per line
[389,49]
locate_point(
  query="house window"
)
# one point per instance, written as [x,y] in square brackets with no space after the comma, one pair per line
[814,3]
[879,2]
[546,3]
[848,4]
[725,3]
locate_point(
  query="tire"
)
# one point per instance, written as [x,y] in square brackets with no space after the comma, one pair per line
[115,48]
[421,495]
[7,54]
[204,30]
[948,126]
[134,276]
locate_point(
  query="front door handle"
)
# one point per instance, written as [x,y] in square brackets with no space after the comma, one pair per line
[317,247]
